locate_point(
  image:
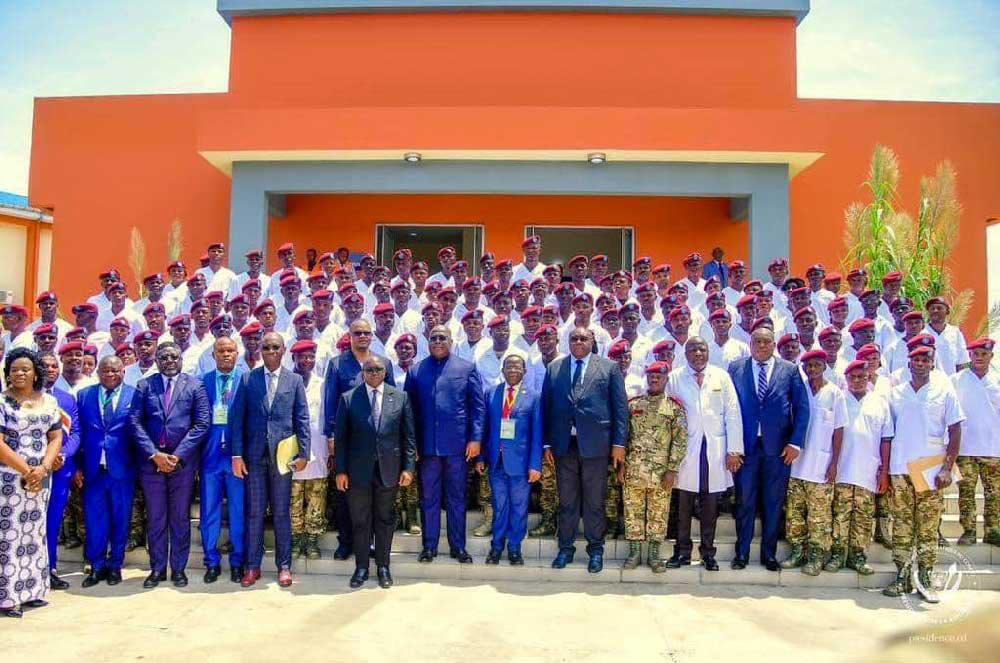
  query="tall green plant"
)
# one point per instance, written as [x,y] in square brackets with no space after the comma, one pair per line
[882,239]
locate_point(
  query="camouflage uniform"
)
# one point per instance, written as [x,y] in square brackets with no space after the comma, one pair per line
[915,522]
[408,505]
[853,517]
[548,500]
[485,502]
[73,525]
[974,468]
[657,445]
[137,524]
[809,514]
[308,506]
[883,519]
[613,503]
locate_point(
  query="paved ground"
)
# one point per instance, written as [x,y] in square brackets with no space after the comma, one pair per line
[319,618]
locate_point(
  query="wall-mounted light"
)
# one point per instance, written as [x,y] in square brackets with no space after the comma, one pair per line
[412,157]
[597,158]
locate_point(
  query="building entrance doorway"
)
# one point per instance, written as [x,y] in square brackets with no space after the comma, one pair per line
[425,241]
[560,243]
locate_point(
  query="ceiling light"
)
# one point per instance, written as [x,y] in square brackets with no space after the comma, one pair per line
[597,158]
[412,157]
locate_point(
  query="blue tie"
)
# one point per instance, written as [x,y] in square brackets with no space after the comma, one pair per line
[761,380]
[109,411]
[577,375]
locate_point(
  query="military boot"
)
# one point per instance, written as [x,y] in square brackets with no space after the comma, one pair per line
[486,528]
[942,542]
[796,558]
[968,538]
[545,527]
[901,585]
[992,538]
[634,555]
[926,584]
[297,548]
[312,547]
[814,561]
[653,557]
[882,535]
[836,561]
[413,520]
[858,561]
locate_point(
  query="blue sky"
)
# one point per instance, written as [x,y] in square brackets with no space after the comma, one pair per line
[939,50]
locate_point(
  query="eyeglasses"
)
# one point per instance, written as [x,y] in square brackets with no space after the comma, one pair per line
[374,370]
[438,338]
[361,333]
[271,348]
[577,338]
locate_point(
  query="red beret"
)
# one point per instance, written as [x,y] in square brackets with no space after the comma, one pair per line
[920,351]
[531,310]
[262,305]
[861,324]
[611,311]
[814,354]
[538,281]
[618,349]
[692,259]
[17,309]
[827,332]
[497,321]
[803,311]
[472,282]
[599,257]
[117,285]
[71,346]
[146,335]
[858,272]
[447,290]
[787,338]
[553,267]
[47,296]
[798,291]
[867,351]
[286,247]
[680,285]
[630,307]
[317,275]
[45,328]
[869,293]
[648,286]
[762,322]
[251,329]
[892,277]
[533,239]
[664,345]
[84,308]
[252,283]
[303,346]
[642,260]
[352,298]
[460,264]
[488,256]
[446,250]
[913,315]
[111,273]
[214,294]
[344,342]
[719,314]
[681,309]
[832,277]
[506,262]
[661,268]
[289,279]
[978,344]
[222,318]
[304,313]
[565,286]
[120,322]
[752,282]
[399,285]
[551,309]
[855,365]
[737,264]
[433,286]
[90,350]
[577,258]
[777,262]
[602,299]
[936,300]
[900,301]
[661,367]
[215,245]
[323,294]
[836,302]
[921,340]
[177,264]
[405,338]
[545,330]
[366,257]
[77,332]
[198,303]
[254,253]
[383,308]
[430,306]
[818,268]
[182,319]
[766,294]
[474,314]
[746,300]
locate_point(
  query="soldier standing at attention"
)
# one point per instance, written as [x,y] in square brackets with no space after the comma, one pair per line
[928,419]
[657,445]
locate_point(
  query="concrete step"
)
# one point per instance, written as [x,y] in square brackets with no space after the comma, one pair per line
[951,504]
[405,568]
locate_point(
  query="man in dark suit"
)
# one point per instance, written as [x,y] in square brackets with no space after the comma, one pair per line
[109,470]
[269,406]
[512,448]
[446,394]
[170,418]
[716,267]
[376,453]
[343,373]
[775,411]
[586,417]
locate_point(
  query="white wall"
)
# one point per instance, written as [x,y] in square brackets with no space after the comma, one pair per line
[13,247]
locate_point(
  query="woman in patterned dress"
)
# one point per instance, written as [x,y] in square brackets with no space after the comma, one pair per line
[32,437]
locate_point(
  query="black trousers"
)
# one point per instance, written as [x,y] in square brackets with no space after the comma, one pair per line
[342,518]
[709,515]
[582,484]
[372,508]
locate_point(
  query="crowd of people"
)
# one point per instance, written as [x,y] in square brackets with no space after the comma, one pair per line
[366,398]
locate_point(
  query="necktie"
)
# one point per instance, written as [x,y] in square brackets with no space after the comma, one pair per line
[168,394]
[376,409]
[272,387]
[699,377]
[108,406]
[226,392]
[508,403]
[577,375]
[761,380]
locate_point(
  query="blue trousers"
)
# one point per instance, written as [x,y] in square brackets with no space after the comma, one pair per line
[58,497]
[168,507]
[451,471]
[264,484]
[107,511]
[763,478]
[510,509]
[215,486]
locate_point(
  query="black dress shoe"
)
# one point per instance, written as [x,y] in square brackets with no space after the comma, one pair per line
[462,556]
[563,558]
[596,563]
[94,578]
[154,578]
[55,582]
[738,563]
[358,578]
[236,574]
[772,565]
[179,578]
[493,557]
[515,559]
[677,561]
[710,564]
[342,552]
[427,556]
[114,576]
[384,577]
[212,574]
[15,612]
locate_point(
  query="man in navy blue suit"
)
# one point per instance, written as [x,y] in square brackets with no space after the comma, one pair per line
[716,267]
[64,468]
[269,406]
[512,448]
[170,419]
[109,470]
[775,409]
[217,478]
[446,394]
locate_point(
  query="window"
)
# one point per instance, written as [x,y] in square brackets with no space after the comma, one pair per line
[425,240]
[560,243]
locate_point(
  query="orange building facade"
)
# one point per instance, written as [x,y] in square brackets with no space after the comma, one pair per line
[693,105]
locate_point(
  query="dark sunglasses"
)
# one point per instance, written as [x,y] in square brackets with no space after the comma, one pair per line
[436,338]
[576,338]
[271,348]
[374,370]
[361,333]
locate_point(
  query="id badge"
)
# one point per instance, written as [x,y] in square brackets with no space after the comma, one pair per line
[936,441]
[507,427]
[220,414]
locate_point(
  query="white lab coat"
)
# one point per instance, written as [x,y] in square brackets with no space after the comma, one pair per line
[827,412]
[980,400]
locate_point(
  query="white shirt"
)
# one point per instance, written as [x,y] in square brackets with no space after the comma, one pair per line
[634,385]
[318,451]
[82,383]
[980,400]
[602,339]
[221,280]
[136,322]
[922,419]
[713,414]
[134,373]
[115,395]
[236,285]
[521,271]
[868,421]
[727,353]
[950,348]
[827,413]
[490,366]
